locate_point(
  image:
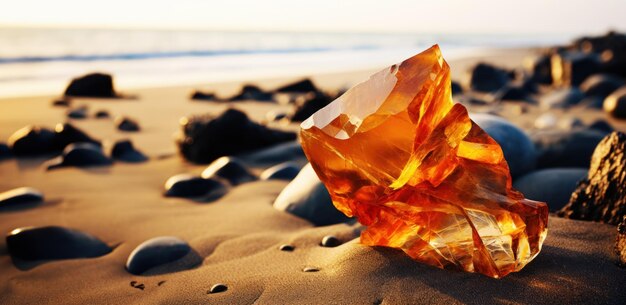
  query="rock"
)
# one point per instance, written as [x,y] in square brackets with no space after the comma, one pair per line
[561,98]
[102,114]
[517,147]
[283,171]
[330,241]
[572,68]
[126,124]
[513,93]
[77,113]
[194,187]
[308,105]
[155,252]
[611,48]
[601,125]
[273,116]
[545,121]
[488,78]
[125,151]
[553,186]
[80,155]
[620,243]
[62,102]
[530,86]
[615,104]
[558,148]
[301,86]
[307,197]
[20,196]
[286,248]
[283,152]
[602,196]
[92,85]
[601,85]
[217,288]
[456,88]
[252,92]
[66,134]
[206,138]
[53,242]
[206,96]
[540,68]
[5,151]
[31,140]
[229,168]
[310,269]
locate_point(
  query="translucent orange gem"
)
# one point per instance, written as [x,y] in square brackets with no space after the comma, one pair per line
[398,154]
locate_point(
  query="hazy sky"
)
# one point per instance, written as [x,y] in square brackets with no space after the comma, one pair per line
[523,16]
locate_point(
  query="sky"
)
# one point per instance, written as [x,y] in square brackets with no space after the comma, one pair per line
[432,16]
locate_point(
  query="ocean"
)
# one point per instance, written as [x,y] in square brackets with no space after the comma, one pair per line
[41,61]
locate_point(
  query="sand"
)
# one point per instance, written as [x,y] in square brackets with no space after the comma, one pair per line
[235,240]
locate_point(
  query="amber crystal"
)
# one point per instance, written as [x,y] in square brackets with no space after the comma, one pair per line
[398,154]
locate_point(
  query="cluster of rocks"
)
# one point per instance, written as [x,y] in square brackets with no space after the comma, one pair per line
[76,147]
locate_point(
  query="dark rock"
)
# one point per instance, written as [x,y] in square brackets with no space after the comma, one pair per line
[601,125]
[66,134]
[198,188]
[206,96]
[602,197]
[566,148]
[308,198]
[309,104]
[330,241]
[92,85]
[488,78]
[620,243]
[77,113]
[252,92]
[217,288]
[553,186]
[52,242]
[530,86]
[155,252]
[125,151]
[615,104]
[286,248]
[229,168]
[310,269]
[540,68]
[302,86]
[283,171]
[102,114]
[126,124]
[283,152]
[63,102]
[513,93]
[80,155]
[612,49]
[601,85]
[456,88]
[273,116]
[5,151]
[572,68]
[561,98]
[517,147]
[31,140]
[206,138]
[20,196]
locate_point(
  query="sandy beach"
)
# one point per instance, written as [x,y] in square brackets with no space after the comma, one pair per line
[235,240]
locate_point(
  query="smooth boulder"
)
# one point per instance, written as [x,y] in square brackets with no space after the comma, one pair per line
[561,98]
[488,78]
[230,169]
[31,140]
[80,155]
[124,150]
[92,85]
[53,242]
[155,252]
[601,85]
[283,171]
[562,148]
[553,186]
[615,104]
[517,147]
[307,197]
[20,196]
[194,187]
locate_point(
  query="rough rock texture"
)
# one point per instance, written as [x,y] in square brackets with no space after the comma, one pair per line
[602,196]
[620,243]
[206,138]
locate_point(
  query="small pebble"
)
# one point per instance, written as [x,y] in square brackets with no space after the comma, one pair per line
[217,288]
[126,124]
[160,283]
[310,269]
[61,103]
[330,241]
[77,113]
[102,114]
[286,247]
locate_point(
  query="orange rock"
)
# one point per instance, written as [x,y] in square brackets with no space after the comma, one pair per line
[398,154]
